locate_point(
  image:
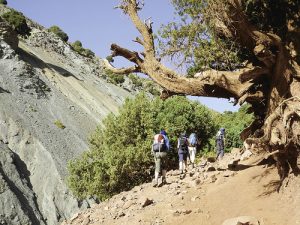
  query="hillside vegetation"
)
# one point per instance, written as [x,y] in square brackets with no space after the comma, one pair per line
[119,157]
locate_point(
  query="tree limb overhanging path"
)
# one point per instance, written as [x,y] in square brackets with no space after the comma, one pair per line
[269,82]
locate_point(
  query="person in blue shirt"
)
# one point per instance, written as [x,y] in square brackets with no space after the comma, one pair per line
[160,147]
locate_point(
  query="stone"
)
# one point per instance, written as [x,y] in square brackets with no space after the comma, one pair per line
[246,155]
[211,168]
[228,173]
[174,186]
[194,198]
[235,151]
[233,163]
[86,221]
[146,201]
[248,220]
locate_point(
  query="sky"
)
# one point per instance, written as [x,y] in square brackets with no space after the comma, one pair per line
[97,25]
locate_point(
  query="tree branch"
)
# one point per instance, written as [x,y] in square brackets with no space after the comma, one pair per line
[127,54]
[144,29]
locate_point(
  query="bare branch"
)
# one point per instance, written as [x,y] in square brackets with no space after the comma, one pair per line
[143,28]
[130,55]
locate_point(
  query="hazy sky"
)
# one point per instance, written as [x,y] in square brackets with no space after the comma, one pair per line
[97,24]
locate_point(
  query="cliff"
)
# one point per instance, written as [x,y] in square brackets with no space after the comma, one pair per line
[51,99]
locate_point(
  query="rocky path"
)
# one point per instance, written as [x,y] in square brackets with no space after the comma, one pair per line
[208,195]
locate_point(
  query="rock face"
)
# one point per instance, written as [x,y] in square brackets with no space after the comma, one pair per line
[8,35]
[44,83]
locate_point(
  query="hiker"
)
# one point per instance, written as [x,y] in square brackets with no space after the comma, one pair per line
[220,143]
[192,147]
[160,148]
[182,153]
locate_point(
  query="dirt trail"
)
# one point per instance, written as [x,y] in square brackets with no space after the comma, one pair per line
[204,198]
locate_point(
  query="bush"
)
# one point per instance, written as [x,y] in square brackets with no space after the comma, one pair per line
[59,124]
[59,32]
[136,81]
[17,21]
[77,46]
[120,158]
[114,78]
[88,53]
[3,2]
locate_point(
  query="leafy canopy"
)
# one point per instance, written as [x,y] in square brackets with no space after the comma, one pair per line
[195,37]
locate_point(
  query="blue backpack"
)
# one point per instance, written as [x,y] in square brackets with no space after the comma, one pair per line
[193,139]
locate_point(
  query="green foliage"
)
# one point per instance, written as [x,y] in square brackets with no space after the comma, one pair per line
[17,21]
[193,40]
[59,32]
[271,17]
[77,46]
[119,156]
[114,78]
[137,81]
[3,2]
[145,84]
[196,40]
[59,124]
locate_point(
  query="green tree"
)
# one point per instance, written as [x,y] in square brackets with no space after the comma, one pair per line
[3,2]
[18,21]
[247,50]
[59,32]
[119,156]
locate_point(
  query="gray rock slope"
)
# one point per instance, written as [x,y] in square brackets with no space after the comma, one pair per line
[45,84]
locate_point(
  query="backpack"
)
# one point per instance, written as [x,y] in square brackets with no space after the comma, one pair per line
[183,144]
[193,140]
[219,136]
[159,144]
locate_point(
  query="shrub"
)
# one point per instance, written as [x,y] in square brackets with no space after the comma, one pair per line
[77,46]
[59,32]
[59,124]
[88,53]
[136,81]
[17,21]
[119,156]
[3,2]
[114,78]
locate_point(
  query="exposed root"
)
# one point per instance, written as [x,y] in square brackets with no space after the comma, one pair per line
[282,137]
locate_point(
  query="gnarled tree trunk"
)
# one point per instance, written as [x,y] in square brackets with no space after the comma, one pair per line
[270,83]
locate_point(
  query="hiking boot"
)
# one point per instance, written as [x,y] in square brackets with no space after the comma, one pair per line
[181,176]
[155,183]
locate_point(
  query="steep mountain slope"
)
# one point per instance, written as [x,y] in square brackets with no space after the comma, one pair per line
[51,98]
